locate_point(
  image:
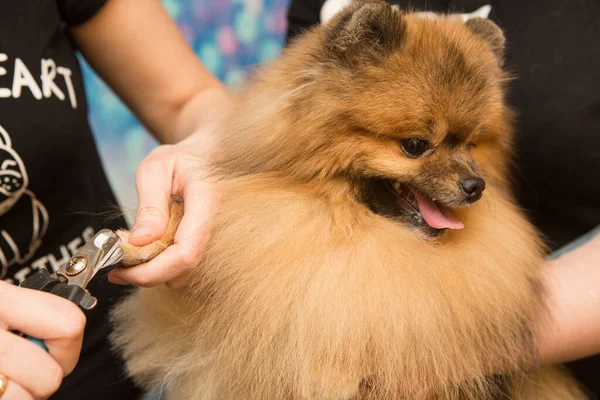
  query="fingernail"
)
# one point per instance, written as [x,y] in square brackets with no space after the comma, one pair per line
[143,229]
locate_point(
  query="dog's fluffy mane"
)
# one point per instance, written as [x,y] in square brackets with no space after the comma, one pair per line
[305,293]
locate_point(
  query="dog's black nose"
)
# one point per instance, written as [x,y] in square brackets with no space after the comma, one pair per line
[472,187]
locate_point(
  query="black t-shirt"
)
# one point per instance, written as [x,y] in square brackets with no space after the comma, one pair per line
[553,48]
[54,194]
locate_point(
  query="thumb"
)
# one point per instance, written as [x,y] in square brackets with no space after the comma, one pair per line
[153,183]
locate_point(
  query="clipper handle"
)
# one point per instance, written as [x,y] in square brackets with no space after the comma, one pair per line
[43,281]
[36,341]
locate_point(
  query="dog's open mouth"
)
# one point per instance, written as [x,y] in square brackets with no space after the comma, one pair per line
[398,201]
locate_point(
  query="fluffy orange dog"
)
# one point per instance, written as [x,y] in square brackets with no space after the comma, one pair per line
[368,245]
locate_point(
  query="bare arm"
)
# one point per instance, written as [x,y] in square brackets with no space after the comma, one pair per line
[572,276]
[138,50]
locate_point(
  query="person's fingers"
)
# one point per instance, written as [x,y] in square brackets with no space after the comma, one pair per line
[113,277]
[53,319]
[14,391]
[200,201]
[165,267]
[154,179]
[174,264]
[29,365]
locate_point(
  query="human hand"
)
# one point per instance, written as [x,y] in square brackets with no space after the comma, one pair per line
[32,372]
[181,169]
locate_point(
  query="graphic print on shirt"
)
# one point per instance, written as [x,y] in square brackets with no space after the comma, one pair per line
[50,72]
[17,243]
[332,7]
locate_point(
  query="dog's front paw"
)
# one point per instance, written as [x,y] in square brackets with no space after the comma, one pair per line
[134,255]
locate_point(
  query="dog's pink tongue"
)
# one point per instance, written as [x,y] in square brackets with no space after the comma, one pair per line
[434,216]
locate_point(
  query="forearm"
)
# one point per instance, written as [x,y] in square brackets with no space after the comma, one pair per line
[138,50]
[201,114]
[572,330]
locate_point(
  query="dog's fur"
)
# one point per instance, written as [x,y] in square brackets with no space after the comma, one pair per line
[305,292]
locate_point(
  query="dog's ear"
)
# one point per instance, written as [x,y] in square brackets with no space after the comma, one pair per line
[365,32]
[489,32]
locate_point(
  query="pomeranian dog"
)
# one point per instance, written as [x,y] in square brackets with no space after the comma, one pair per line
[368,245]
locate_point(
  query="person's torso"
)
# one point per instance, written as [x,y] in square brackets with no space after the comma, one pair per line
[54,194]
[52,187]
[553,49]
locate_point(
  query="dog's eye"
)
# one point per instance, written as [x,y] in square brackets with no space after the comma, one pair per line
[414,147]
[471,145]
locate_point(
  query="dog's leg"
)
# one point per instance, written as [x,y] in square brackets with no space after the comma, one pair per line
[134,255]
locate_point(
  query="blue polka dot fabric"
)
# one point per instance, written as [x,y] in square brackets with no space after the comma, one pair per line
[229,36]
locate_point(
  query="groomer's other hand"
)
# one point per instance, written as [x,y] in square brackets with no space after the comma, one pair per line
[180,169]
[34,373]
